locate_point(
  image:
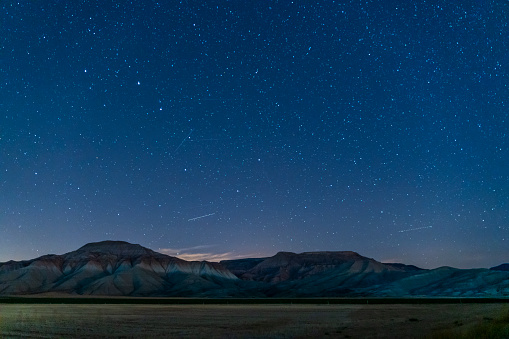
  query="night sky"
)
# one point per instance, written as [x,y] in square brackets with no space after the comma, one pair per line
[226,129]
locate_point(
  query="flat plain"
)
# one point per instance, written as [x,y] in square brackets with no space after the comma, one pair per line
[243,321]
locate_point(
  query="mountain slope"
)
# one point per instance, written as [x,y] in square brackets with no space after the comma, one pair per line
[115,268]
[309,274]
[340,274]
[503,267]
[449,282]
[286,266]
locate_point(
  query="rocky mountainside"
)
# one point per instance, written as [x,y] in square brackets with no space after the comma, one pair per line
[287,266]
[318,273]
[116,268]
[340,274]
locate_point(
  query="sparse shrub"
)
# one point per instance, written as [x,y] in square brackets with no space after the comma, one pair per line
[489,328]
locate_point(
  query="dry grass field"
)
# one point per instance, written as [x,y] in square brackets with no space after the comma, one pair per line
[247,321]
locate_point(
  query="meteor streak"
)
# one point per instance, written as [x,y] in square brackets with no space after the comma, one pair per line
[176,149]
[203,216]
[415,229]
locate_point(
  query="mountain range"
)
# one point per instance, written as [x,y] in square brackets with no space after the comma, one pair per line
[116,268]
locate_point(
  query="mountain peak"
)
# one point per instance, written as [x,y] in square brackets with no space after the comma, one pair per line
[124,269]
[115,247]
[345,254]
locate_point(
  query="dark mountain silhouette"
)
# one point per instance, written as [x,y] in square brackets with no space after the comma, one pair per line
[117,268]
[287,266]
[503,267]
[317,273]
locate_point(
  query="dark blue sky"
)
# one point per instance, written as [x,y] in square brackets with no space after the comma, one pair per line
[244,128]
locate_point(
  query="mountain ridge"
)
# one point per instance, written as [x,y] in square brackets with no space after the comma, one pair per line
[112,268]
[119,268]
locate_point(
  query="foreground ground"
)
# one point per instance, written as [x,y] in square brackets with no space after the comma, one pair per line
[240,321]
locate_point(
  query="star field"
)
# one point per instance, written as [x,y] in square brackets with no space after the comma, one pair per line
[224,129]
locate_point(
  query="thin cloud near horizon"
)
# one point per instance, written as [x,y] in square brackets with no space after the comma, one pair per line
[186,254]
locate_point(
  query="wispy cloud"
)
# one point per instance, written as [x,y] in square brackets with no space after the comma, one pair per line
[196,253]
[391,261]
[189,249]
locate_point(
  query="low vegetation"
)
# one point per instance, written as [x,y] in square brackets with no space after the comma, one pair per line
[254,321]
[487,328]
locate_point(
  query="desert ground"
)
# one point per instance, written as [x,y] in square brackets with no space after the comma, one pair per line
[244,321]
